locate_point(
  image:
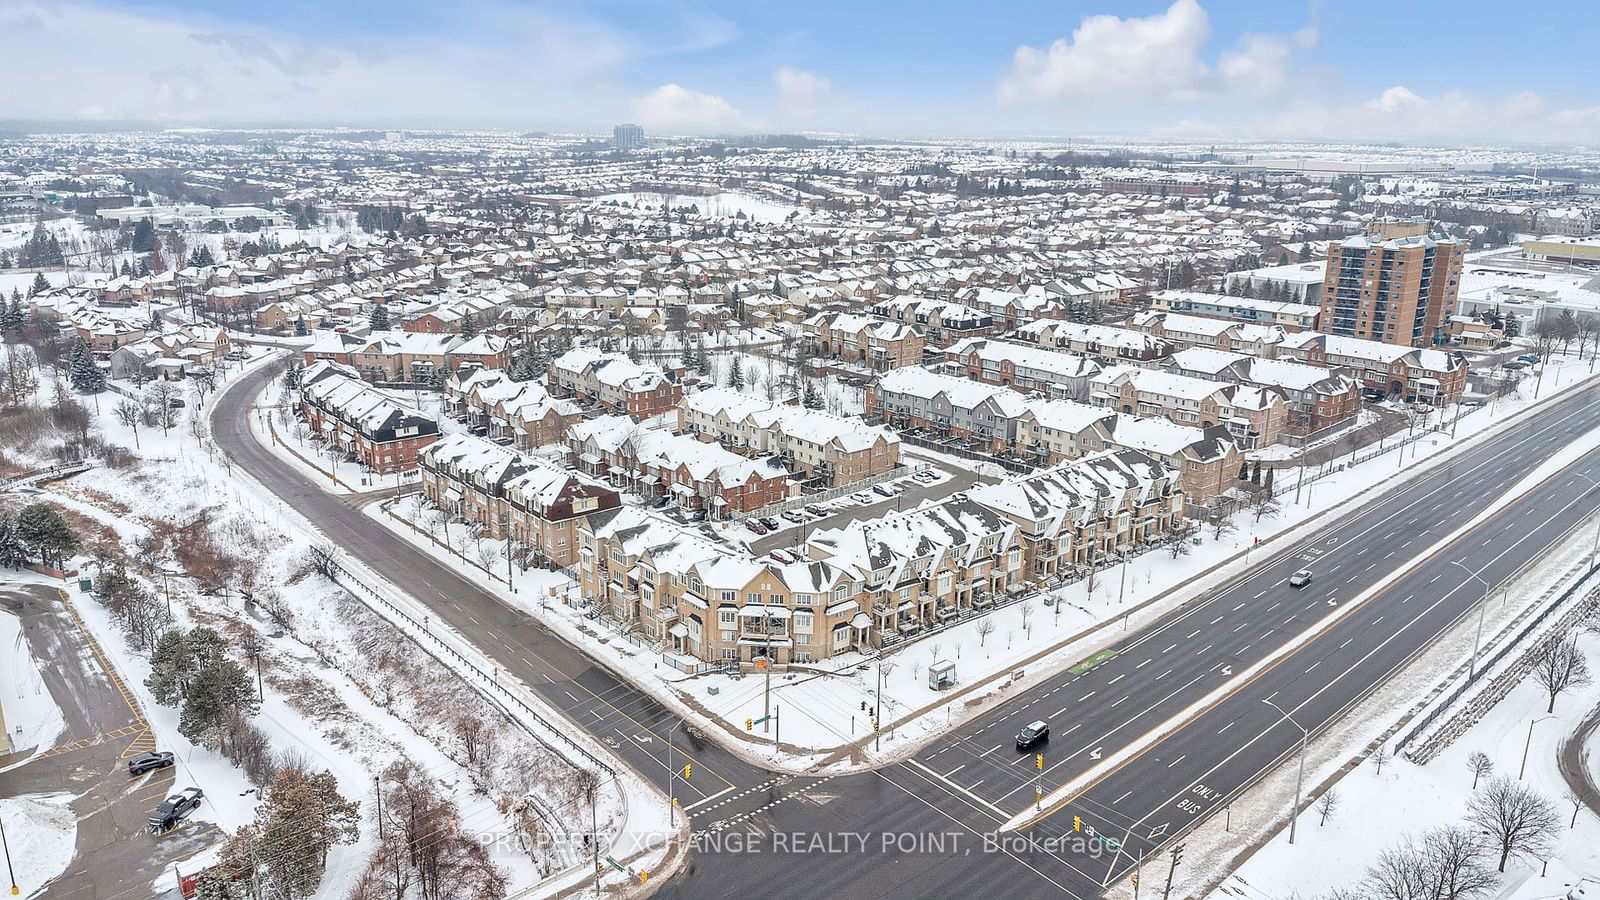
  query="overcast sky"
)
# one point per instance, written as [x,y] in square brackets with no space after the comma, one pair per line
[1402,70]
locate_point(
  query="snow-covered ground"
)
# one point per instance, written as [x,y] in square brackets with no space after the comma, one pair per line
[1376,811]
[40,833]
[32,719]
[343,689]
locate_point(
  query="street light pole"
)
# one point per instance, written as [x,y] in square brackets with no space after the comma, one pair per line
[1300,779]
[672,799]
[1528,743]
[1483,607]
[10,872]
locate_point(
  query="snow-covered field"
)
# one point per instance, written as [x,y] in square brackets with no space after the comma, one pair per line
[32,719]
[40,833]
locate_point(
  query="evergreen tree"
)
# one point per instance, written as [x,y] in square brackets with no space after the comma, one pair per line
[300,326]
[812,398]
[39,286]
[144,237]
[11,321]
[380,317]
[469,325]
[156,324]
[701,361]
[12,553]
[45,534]
[219,686]
[736,373]
[85,373]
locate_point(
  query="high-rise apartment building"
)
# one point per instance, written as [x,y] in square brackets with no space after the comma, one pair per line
[1396,283]
[627,136]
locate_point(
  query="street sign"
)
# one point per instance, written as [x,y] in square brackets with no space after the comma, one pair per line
[615,865]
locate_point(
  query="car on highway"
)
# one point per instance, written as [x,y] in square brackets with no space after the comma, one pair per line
[753,525]
[173,810]
[149,762]
[1300,578]
[1033,734]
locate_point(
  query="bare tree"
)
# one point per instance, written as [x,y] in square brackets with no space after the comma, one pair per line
[1576,799]
[985,628]
[1222,526]
[127,412]
[1480,765]
[1380,756]
[1447,865]
[161,400]
[1326,805]
[1518,820]
[1560,665]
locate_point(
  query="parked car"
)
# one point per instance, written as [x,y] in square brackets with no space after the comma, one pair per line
[861,497]
[1529,358]
[782,556]
[1373,395]
[173,810]
[755,526]
[1034,734]
[149,762]
[794,516]
[771,523]
[815,510]
[883,490]
[926,475]
[1300,578]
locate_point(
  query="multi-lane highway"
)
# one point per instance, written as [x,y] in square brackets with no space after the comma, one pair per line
[917,828]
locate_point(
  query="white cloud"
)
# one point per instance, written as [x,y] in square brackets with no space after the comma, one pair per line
[1152,59]
[1110,58]
[530,66]
[677,109]
[801,94]
[1401,114]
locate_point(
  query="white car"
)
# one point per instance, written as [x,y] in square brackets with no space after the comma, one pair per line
[1300,578]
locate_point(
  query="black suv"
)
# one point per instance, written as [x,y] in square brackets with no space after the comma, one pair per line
[1033,735]
[149,762]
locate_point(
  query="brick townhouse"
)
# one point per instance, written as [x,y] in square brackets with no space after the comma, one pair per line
[542,504]
[1417,374]
[836,450]
[1320,399]
[1185,330]
[367,425]
[942,322]
[874,343]
[1106,343]
[614,382]
[519,412]
[678,468]
[1254,416]
[1025,367]
[397,356]
[877,582]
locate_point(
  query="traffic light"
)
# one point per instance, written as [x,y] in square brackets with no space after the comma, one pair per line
[687,768]
[749,724]
[1038,761]
[1134,878]
[1077,823]
[644,876]
[1177,855]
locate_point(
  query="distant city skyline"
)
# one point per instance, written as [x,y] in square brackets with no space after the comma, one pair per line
[1185,69]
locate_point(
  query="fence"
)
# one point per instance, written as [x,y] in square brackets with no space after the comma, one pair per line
[1443,706]
[46,474]
[1013,466]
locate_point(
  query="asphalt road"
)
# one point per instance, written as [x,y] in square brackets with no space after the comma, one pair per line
[917,829]
[113,857]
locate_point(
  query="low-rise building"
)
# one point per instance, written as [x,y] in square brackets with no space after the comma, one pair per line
[540,504]
[399,356]
[1416,374]
[1288,315]
[521,413]
[1299,282]
[872,342]
[1254,417]
[360,422]
[836,450]
[1186,330]
[1025,367]
[942,322]
[614,383]
[1106,343]
[681,469]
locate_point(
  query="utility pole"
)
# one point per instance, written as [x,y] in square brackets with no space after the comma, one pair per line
[10,872]
[1300,779]
[877,719]
[1177,857]
[766,692]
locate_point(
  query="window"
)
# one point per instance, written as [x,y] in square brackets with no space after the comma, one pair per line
[727,616]
[802,622]
[729,596]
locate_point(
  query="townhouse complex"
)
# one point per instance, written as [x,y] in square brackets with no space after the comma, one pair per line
[834,450]
[614,383]
[351,418]
[873,583]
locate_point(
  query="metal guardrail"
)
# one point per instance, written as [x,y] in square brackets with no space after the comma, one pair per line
[49,472]
[349,581]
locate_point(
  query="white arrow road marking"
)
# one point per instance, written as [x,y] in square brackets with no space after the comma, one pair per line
[1095,753]
[1227,670]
